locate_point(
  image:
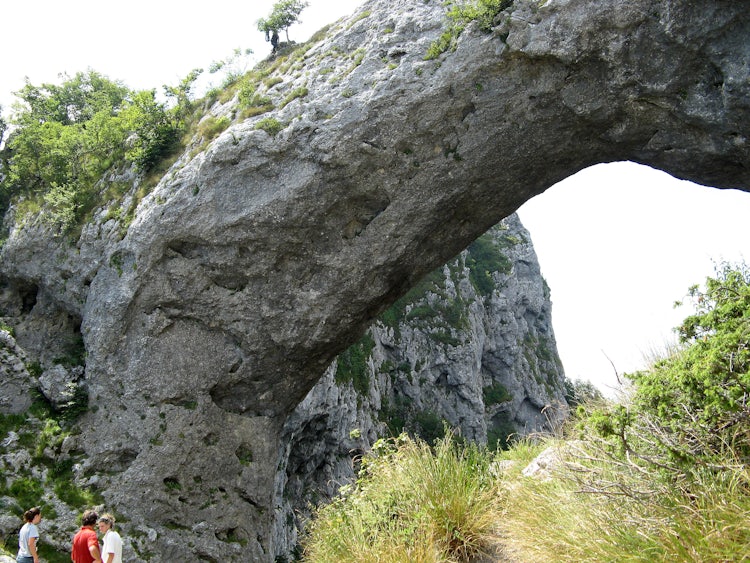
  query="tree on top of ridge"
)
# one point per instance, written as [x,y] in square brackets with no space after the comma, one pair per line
[284,14]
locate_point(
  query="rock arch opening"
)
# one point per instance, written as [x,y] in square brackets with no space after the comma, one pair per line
[619,243]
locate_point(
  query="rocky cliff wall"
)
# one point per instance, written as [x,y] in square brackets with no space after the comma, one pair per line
[261,256]
[471,346]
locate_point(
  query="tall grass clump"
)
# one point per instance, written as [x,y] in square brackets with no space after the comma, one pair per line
[661,475]
[410,503]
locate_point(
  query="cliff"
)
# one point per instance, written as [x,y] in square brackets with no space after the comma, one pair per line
[471,346]
[262,255]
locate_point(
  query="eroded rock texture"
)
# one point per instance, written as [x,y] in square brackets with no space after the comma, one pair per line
[257,260]
[471,345]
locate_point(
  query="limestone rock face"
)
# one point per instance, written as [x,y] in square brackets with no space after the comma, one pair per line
[259,258]
[15,379]
[471,346]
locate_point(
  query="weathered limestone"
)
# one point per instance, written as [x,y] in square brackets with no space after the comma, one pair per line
[256,261]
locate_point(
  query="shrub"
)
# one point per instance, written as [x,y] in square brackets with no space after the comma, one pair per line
[351,365]
[27,492]
[495,394]
[698,398]
[270,125]
[300,92]
[484,259]
[211,127]
[462,12]
[65,137]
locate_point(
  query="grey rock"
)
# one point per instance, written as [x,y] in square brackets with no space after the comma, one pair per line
[256,261]
[15,380]
[434,360]
[58,384]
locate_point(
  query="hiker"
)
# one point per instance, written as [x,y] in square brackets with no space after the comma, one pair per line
[112,546]
[85,542]
[28,536]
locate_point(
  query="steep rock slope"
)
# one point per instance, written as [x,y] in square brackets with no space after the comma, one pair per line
[471,346]
[256,261]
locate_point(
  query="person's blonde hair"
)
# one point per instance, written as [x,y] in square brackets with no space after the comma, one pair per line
[107,518]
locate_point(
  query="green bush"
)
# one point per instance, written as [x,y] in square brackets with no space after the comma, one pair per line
[351,365]
[27,492]
[270,125]
[211,127]
[300,92]
[484,259]
[461,13]
[495,394]
[65,137]
[697,400]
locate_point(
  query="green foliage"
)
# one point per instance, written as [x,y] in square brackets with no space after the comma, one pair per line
[182,93]
[73,495]
[3,126]
[481,11]
[579,392]
[248,96]
[300,92]
[460,14]
[156,131]
[10,422]
[448,41]
[67,136]
[244,454]
[430,426]
[410,503]
[211,127]
[502,433]
[234,66]
[495,394]
[270,125]
[485,258]
[700,396]
[283,15]
[26,491]
[351,364]
[397,313]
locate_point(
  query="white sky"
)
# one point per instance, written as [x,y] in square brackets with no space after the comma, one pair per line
[618,243]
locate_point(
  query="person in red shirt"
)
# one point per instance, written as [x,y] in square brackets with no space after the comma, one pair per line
[85,542]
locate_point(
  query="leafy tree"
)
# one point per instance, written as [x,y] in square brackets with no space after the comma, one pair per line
[182,92]
[232,67]
[156,132]
[578,392]
[76,100]
[284,14]
[66,136]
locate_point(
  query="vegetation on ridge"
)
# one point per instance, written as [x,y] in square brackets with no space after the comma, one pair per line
[460,14]
[660,475]
[67,136]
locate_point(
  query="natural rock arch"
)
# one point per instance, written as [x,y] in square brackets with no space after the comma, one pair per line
[255,262]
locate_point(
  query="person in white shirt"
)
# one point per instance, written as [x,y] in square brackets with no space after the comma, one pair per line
[28,536]
[112,546]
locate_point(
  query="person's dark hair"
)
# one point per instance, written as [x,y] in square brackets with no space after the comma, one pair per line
[31,513]
[89,518]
